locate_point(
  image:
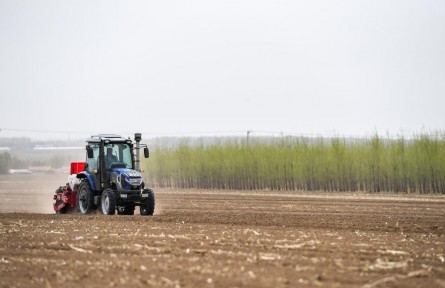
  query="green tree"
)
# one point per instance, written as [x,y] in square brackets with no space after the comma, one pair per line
[19,164]
[5,162]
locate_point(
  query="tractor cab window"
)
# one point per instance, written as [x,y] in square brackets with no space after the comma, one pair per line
[93,163]
[118,156]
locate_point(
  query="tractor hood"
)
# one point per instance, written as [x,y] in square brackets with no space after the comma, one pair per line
[126,179]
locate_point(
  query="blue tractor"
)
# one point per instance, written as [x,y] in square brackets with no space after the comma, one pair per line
[110,179]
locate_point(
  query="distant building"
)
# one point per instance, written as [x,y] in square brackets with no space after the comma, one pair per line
[19,171]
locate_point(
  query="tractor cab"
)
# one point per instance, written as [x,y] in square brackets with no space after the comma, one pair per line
[107,153]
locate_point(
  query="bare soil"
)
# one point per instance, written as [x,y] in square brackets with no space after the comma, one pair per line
[201,238]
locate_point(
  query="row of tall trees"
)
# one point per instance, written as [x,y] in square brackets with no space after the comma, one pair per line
[335,164]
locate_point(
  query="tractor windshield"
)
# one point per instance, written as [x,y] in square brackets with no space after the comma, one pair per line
[118,155]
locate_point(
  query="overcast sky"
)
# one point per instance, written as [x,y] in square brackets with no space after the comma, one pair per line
[158,67]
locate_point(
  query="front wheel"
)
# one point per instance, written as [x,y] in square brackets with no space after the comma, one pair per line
[108,202]
[148,207]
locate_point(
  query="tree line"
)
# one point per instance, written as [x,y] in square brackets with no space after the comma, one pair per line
[373,164]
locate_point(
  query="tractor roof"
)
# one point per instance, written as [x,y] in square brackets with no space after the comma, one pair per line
[105,137]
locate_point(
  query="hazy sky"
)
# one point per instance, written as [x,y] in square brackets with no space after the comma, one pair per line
[158,67]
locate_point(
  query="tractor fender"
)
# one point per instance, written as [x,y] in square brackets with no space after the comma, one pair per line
[87,175]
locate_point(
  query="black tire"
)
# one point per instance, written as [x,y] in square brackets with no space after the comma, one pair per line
[148,207]
[108,202]
[85,198]
[125,210]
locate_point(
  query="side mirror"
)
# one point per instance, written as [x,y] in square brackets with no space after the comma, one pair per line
[90,153]
[146,153]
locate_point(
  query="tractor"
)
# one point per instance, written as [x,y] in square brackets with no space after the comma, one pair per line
[110,179]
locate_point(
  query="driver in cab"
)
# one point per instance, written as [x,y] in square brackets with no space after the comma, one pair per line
[110,157]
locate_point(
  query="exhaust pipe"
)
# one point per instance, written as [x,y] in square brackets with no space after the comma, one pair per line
[137,158]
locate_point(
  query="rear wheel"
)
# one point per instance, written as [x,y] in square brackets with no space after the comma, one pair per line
[85,198]
[148,207]
[108,202]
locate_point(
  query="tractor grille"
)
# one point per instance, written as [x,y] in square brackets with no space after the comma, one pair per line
[130,197]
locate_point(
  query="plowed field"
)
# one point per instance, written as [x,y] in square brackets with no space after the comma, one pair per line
[201,238]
